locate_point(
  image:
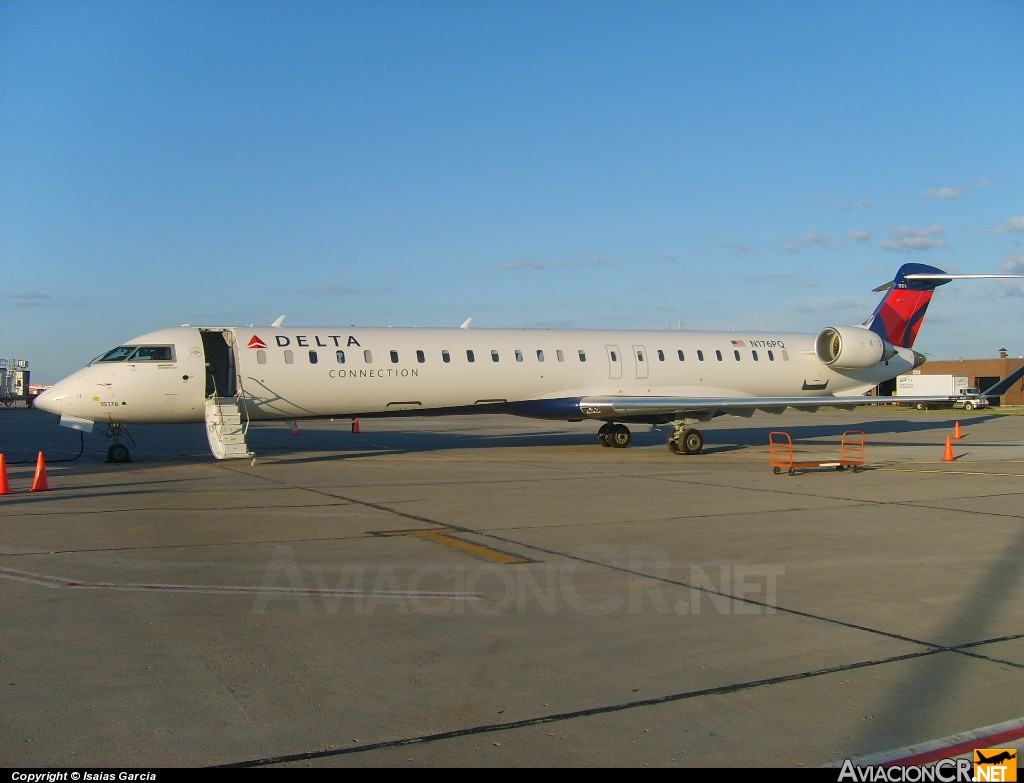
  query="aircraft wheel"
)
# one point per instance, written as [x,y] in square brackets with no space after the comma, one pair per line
[602,434]
[693,442]
[118,453]
[619,436]
[674,447]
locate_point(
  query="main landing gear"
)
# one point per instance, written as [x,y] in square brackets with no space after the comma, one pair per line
[615,435]
[685,441]
[682,440]
[118,452]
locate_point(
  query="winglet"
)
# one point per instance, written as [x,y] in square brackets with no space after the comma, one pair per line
[466,323]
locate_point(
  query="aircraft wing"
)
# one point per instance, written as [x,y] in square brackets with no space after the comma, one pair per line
[667,409]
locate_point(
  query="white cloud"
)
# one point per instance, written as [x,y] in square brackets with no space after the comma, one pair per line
[842,203]
[810,240]
[860,236]
[588,261]
[1014,265]
[1013,224]
[944,193]
[910,238]
[739,247]
[522,265]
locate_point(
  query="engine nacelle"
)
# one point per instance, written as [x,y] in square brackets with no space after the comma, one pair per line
[851,347]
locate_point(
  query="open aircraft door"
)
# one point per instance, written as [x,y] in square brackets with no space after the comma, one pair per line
[219,349]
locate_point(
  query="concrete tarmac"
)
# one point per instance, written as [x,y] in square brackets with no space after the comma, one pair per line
[490,591]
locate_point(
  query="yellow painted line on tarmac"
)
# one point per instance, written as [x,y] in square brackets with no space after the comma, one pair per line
[951,472]
[446,539]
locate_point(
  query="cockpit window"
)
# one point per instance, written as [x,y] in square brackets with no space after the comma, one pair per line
[117,355]
[138,353]
[153,353]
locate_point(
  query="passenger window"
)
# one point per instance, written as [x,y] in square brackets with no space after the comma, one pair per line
[661,355]
[583,355]
[785,356]
[771,356]
[519,355]
[446,357]
[718,355]
[753,354]
[639,356]
[680,354]
[261,356]
[700,356]
[421,357]
[614,356]
[494,356]
[312,357]
[289,357]
[559,355]
[470,356]
[540,355]
[736,355]
[394,357]
[340,356]
[368,356]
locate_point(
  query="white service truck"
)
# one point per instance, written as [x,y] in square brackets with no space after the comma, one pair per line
[954,389]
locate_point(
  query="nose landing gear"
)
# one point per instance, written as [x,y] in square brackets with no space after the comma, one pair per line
[118,452]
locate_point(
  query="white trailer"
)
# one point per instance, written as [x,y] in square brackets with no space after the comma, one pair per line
[955,390]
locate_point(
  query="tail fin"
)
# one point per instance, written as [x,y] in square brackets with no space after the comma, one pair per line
[899,315]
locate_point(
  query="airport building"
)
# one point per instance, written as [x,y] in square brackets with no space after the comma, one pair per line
[14,380]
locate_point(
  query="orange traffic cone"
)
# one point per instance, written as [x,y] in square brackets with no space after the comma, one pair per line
[355,425]
[5,487]
[295,426]
[948,456]
[39,483]
[956,431]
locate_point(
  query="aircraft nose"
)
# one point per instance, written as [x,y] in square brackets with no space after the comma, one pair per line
[50,400]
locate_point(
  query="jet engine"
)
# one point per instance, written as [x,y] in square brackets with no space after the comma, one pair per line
[851,347]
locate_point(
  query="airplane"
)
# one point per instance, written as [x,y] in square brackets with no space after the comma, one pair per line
[230,376]
[996,759]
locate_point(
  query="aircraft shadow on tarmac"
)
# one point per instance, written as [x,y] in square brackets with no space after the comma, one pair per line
[314,442]
[343,445]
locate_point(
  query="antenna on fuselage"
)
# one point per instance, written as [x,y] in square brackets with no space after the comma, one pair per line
[465,324]
[278,322]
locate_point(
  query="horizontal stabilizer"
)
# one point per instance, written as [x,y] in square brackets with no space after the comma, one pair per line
[999,389]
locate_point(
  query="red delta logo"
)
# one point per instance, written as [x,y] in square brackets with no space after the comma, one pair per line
[256,342]
[995,764]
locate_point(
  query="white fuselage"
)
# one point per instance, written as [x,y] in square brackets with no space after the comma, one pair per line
[285,373]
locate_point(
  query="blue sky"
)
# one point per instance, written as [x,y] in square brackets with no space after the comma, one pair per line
[756,165]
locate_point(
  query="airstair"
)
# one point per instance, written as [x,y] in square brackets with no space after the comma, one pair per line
[225,429]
